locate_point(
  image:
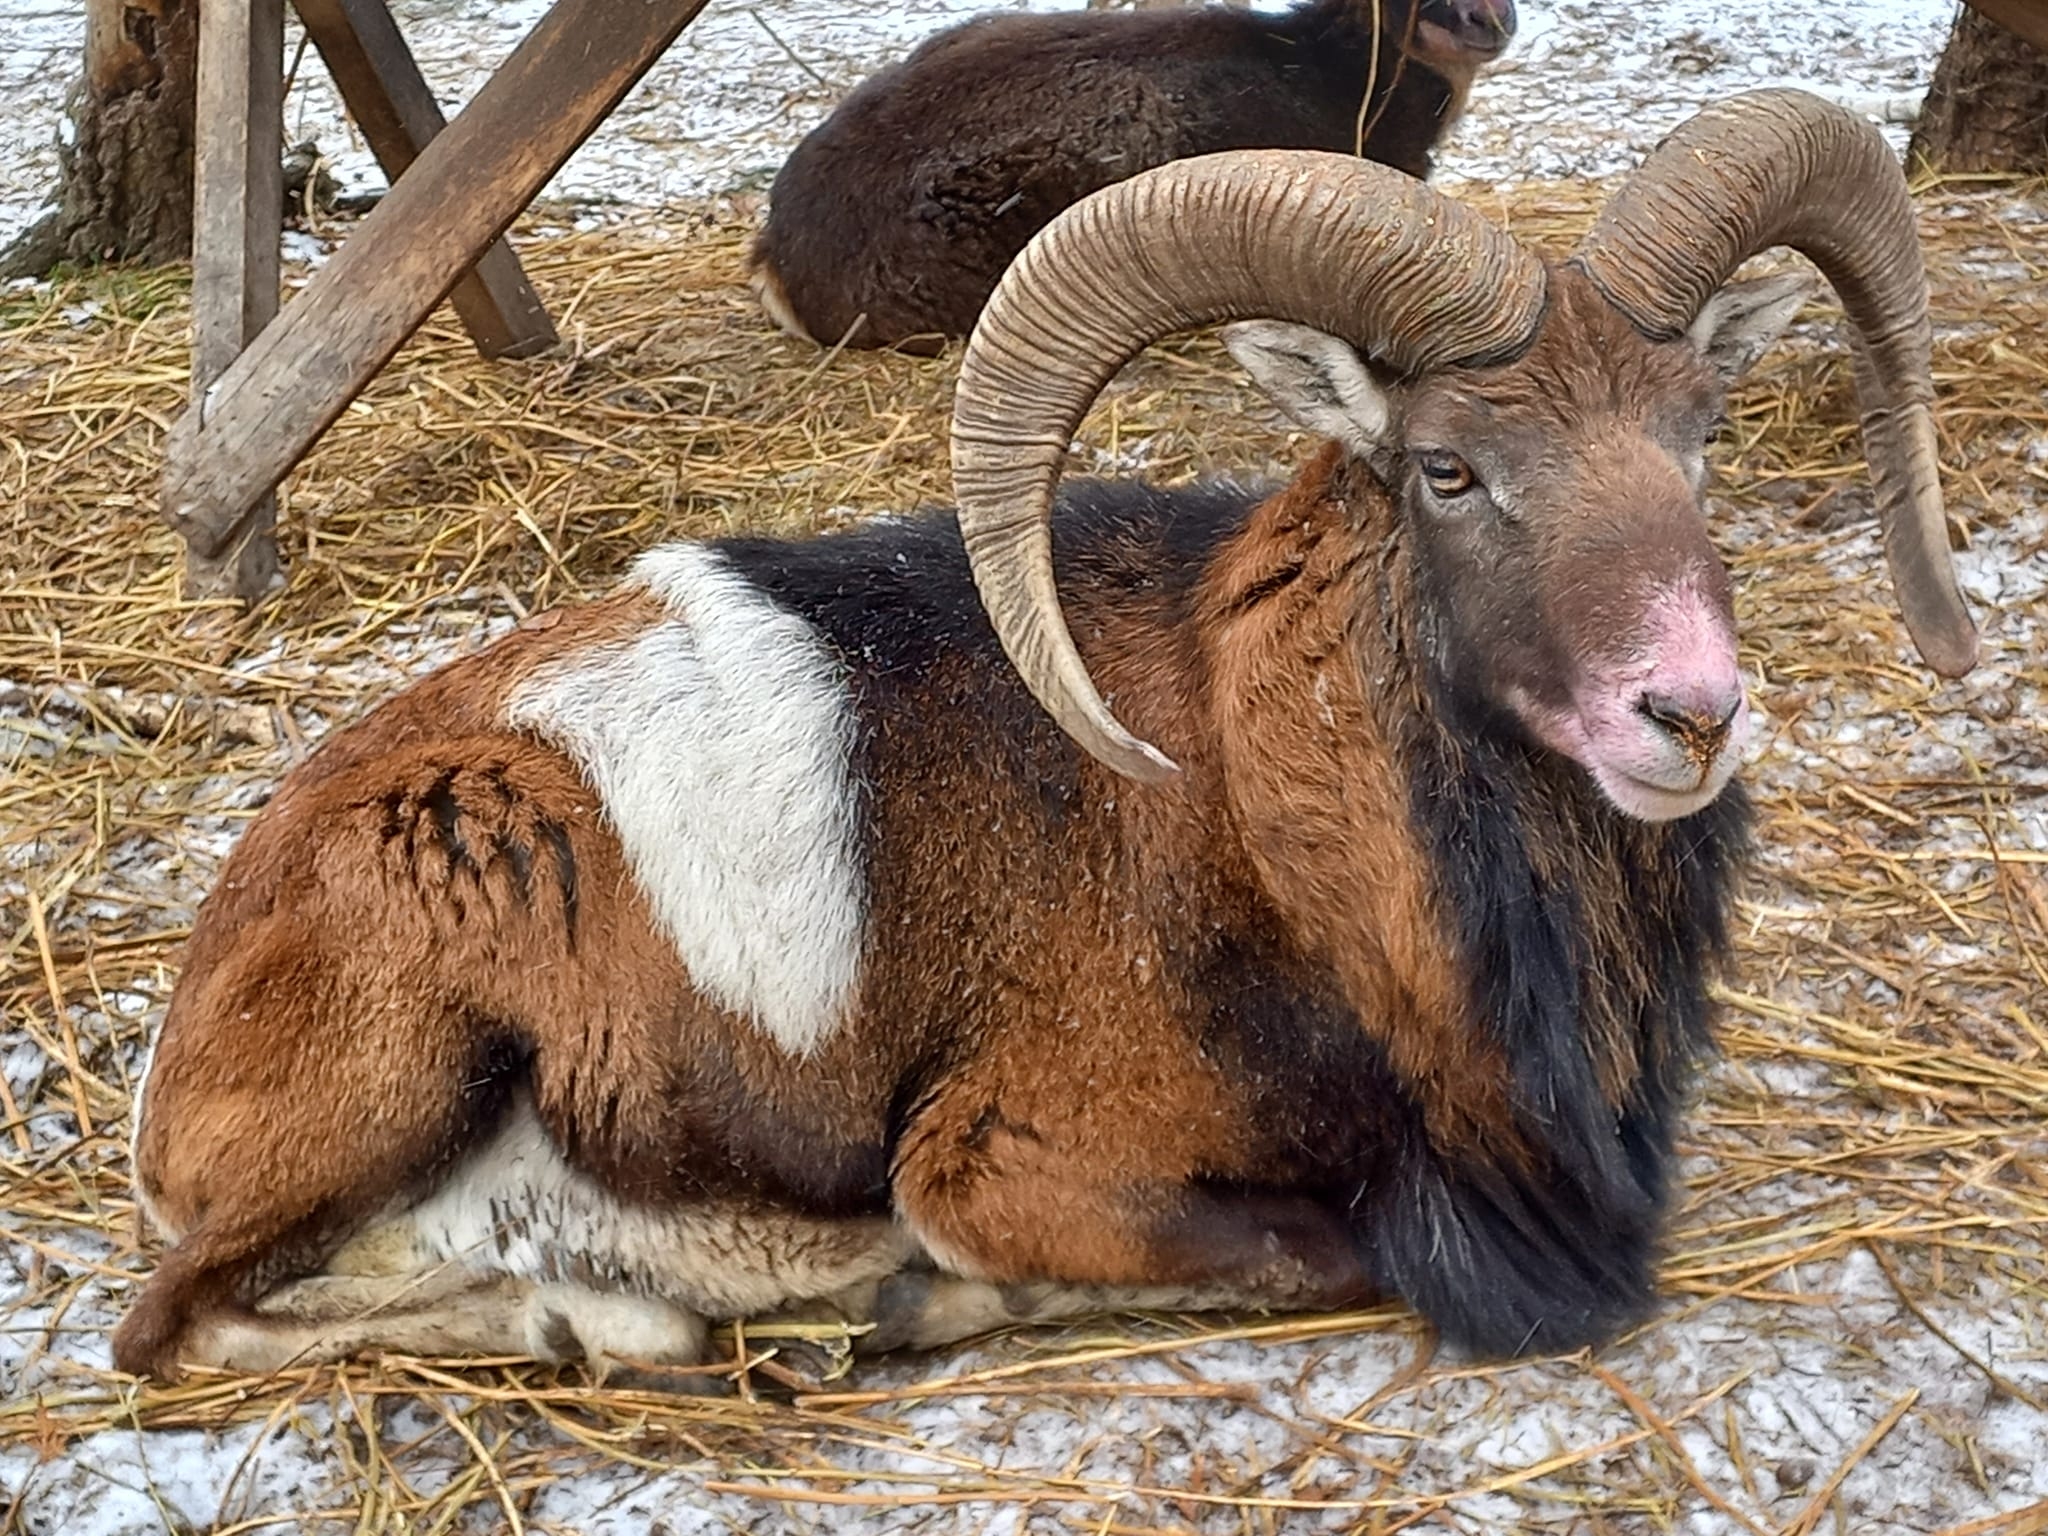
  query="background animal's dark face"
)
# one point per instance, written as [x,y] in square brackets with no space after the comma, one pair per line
[1454,33]
[1569,588]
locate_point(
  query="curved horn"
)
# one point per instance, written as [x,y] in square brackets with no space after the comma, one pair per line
[1352,248]
[1780,167]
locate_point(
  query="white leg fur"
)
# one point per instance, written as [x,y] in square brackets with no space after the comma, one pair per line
[450,1313]
[612,1331]
[318,1320]
[719,742]
[516,1207]
[150,1214]
[774,298]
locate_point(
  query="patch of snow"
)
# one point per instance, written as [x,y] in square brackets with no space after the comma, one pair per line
[1587,88]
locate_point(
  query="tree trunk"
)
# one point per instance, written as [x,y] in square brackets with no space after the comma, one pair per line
[126,188]
[1987,108]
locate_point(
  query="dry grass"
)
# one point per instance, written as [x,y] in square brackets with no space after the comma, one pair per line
[1886,1025]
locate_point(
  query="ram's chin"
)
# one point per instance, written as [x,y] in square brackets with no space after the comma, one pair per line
[1615,758]
[1653,802]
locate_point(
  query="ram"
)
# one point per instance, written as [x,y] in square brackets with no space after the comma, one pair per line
[897,214]
[800,924]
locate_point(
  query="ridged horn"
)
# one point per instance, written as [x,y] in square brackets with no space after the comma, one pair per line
[1781,167]
[1409,278]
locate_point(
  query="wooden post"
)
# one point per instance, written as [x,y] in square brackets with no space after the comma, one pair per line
[463,191]
[1987,106]
[2027,19]
[237,207]
[394,106]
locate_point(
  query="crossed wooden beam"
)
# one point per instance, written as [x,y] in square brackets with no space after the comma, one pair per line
[265,385]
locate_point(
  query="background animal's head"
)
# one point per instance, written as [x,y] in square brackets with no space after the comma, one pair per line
[1542,427]
[1460,36]
[1554,503]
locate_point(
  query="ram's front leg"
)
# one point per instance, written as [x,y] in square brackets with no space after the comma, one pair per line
[1029,1218]
[1210,1253]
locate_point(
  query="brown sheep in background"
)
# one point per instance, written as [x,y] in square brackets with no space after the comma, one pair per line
[906,204]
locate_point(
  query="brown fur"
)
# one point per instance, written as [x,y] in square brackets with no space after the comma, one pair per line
[1319,800]
[493,891]
[1196,1036]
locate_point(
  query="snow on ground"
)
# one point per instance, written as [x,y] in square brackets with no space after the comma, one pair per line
[1589,86]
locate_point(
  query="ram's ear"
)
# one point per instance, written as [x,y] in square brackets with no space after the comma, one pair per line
[1739,323]
[1318,380]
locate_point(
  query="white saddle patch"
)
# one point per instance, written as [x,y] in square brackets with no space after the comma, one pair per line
[719,742]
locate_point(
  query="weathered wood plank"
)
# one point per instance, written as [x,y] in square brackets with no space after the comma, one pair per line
[467,186]
[238,202]
[2024,19]
[396,110]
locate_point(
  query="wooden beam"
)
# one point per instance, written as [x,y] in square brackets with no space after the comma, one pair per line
[2024,19]
[396,110]
[238,203]
[463,191]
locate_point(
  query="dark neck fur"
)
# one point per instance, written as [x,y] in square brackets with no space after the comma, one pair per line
[1588,937]
[1587,932]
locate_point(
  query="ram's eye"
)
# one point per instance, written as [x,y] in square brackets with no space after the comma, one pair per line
[1447,474]
[1716,430]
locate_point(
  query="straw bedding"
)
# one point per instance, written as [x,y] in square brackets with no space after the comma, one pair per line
[1856,1335]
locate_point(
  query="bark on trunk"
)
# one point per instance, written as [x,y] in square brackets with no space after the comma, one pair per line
[126,187]
[1987,108]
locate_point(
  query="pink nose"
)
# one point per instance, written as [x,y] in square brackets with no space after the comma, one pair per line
[1485,27]
[1696,713]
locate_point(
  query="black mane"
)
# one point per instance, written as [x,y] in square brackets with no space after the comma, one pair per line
[1514,1264]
